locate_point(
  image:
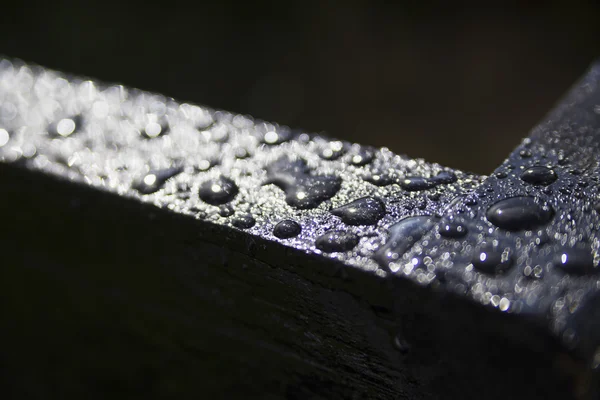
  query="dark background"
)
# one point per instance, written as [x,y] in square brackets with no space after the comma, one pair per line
[459,87]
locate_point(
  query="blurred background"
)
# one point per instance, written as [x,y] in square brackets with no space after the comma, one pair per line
[458,87]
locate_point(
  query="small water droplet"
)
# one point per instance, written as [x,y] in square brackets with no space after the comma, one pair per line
[575,261]
[364,211]
[402,236]
[470,201]
[226,211]
[287,229]
[155,128]
[525,153]
[333,150]
[335,241]
[362,156]
[302,189]
[4,137]
[539,175]
[380,178]
[416,183]
[452,229]
[276,137]
[245,221]
[562,159]
[155,180]
[491,260]
[65,127]
[401,345]
[218,191]
[501,174]
[519,213]
[241,153]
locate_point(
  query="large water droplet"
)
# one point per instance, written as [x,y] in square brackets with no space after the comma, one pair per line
[365,211]
[491,260]
[575,262]
[155,180]
[519,213]
[402,236]
[245,221]
[302,189]
[415,183]
[287,229]
[218,191]
[539,175]
[336,241]
[452,229]
[444,177]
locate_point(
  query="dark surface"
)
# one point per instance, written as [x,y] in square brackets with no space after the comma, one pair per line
[172,307]
[457,86]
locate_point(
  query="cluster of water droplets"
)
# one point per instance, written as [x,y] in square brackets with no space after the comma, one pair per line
[524,241]
[315,194]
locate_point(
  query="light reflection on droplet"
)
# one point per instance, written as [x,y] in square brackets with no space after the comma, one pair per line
[153,129]
[150,179]
[271,137]
[216,188]
[482,257]
[65,127]
[203,165]
[4,136]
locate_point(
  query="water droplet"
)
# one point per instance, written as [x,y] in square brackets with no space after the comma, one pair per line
[491,260]
[380,178]
[364,211]
[334,241]
[154,129]
[519,213]
[65,127]
[302,189]
[4,137]
[501,174]
[575,261]
[226,211]
[333,150]
[155,180]
[218,191]
[444,177]
[415,183]
[273,137]
[287,229]
[525,153]
[401,345]
[204,165]
[362,156]
[241,153]
[402,236]
[539,175]
[470,201]
[452,229]
[245,221]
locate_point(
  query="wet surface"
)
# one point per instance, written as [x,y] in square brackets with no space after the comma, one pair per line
[523,240]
